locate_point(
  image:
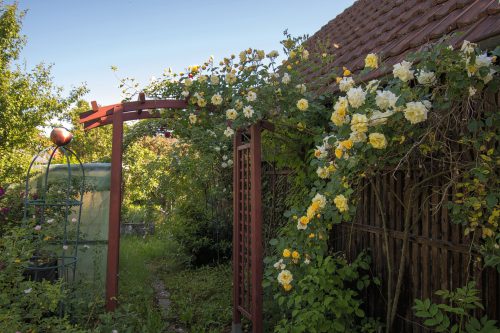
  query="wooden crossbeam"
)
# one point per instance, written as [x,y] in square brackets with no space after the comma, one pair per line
[103,115]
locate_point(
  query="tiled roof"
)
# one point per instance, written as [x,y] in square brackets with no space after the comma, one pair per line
[393,28]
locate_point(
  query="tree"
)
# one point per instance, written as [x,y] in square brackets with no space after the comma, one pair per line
[28,99]
[89,146]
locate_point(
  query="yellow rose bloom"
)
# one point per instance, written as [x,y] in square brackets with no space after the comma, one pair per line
[312,235]
[331,168]
[287,287]
[338,152]
[377,140]
[338,79]
[371,61]
[287,253]
[285,277]
[341,203]
[310,212]
[347,144]
[192,118]
[487,232]
[295,255]
[304,220]
[201,102]
[216,99]
[337,118]
[346,72]
[302,104]
[359,123]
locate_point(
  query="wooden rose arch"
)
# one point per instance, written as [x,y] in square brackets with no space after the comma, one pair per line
[247,202]
[116,115]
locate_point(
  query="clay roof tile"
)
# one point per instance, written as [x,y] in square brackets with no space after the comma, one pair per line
[393,28]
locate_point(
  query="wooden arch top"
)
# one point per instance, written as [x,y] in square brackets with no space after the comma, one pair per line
[103,115]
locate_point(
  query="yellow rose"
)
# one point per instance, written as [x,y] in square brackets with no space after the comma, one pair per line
[201,102]
[192,118]
[286,253]
[304,220]
[338,152]
[371,61]
[285,277]
[337,118]
[347,144]
[287,287]
[377,140]
[295,255]
[341,203]
[302,104]
[312,235]
[359,123]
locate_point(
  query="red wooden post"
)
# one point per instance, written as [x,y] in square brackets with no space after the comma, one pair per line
[256,227]
[114,211]
[236,232]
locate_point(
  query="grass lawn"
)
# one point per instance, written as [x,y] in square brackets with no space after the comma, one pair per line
[200,298]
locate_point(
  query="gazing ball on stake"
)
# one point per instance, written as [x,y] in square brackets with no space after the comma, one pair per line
[61,136]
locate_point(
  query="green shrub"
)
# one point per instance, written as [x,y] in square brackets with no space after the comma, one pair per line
[326,298]
[204,239]
[27,305]
[455,314]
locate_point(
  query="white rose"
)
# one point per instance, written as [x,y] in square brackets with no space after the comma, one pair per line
[231,114]
[483,60]
[229,132]
[214,79]
[248,111]
[380,118]
[415,112]
[251,96]
[468,47]
[346,83]
[426,78]
[301,88]
[385,99]
[356,97]
[286,78]
[320,199]
[403,71]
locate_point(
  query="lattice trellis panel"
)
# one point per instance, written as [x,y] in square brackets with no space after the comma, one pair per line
[247,229]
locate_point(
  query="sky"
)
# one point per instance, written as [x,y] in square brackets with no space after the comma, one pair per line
[83,39]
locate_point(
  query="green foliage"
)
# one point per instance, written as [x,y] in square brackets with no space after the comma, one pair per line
[326,297]
[27,305]
[90,146]
[204,239]
[28,98]
[455,314]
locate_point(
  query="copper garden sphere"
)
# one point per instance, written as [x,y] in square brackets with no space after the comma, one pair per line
[61,136]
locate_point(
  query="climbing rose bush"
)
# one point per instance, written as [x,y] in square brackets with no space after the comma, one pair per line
[388,123]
